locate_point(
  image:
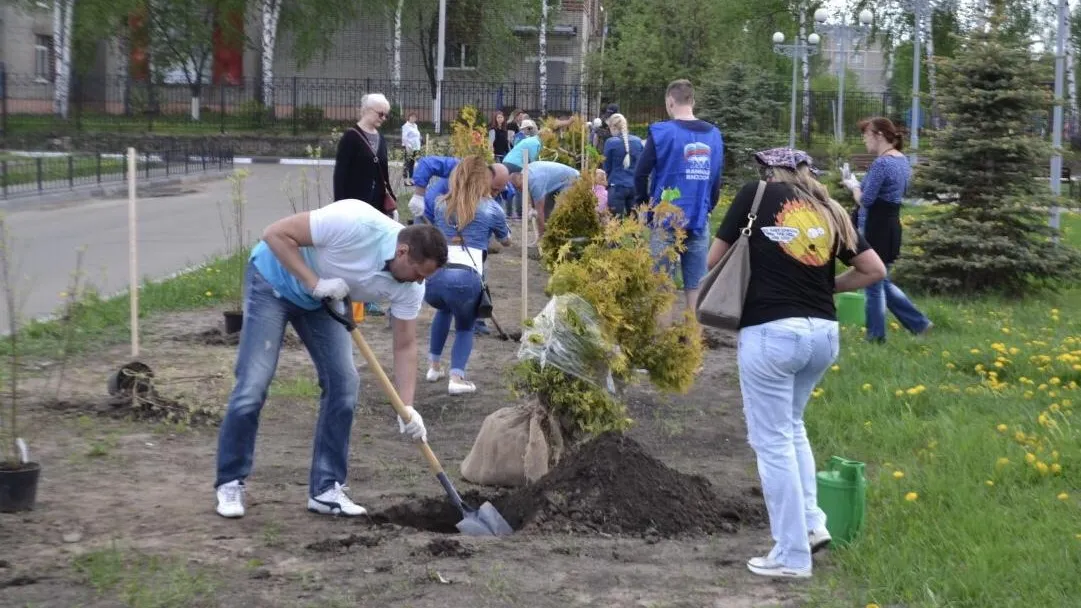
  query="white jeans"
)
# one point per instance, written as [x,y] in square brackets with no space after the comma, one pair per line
[779,365]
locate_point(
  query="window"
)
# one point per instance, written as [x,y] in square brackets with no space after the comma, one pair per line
[44,58]
[461,56]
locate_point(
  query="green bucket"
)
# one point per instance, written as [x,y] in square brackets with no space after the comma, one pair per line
[842,495]
[851,308]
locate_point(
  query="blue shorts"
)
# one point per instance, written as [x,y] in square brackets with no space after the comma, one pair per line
[692,260]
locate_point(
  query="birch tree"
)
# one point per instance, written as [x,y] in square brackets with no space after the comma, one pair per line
[271,14]
[63,14]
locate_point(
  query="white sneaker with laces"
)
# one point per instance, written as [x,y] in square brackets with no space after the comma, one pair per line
[435,375]
[764,566]
[820,539]
[460,386]
[335,502]
[231,499]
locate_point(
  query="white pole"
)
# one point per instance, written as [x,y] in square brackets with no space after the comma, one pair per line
[441,55]
[526,208]
[1056,129]
[133,267]
[915,120]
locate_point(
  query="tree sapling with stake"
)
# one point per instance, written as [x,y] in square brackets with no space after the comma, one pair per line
[233,229]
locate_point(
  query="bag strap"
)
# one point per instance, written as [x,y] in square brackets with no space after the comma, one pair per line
[753,215]
[375,157]
[467,252]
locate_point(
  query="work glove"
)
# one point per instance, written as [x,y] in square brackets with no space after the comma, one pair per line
[416,205]
[851,182]
[335,289]
[394,216]
[415,428]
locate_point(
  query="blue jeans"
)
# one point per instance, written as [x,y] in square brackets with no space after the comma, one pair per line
[620,200]
[884,295]
[454,294]
[330,347]
[779,365]
[692,260]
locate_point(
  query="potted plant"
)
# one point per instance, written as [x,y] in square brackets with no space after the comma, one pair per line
[18,475]
[233,229]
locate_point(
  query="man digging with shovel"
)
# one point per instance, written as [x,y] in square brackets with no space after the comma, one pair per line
[347,248]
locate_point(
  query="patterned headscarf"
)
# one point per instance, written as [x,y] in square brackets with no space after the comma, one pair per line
[788,158]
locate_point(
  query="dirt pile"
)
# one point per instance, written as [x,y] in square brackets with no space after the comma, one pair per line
[611,485]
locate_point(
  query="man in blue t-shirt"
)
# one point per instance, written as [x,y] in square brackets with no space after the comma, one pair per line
[546,180]
[688,154]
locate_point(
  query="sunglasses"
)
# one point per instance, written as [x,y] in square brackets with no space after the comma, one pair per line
[382,115]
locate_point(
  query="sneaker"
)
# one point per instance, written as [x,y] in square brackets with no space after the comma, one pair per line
[481,328]
[335,502]
[460,386]
[764,566]
[820,539]
[231,499]
[435,375]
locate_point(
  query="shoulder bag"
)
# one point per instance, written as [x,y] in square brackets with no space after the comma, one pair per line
[723,291]
[484,304]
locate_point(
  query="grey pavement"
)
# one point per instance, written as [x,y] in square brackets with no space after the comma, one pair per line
[179,226]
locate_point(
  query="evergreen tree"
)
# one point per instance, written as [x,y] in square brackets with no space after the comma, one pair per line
[989,164]
[742,102]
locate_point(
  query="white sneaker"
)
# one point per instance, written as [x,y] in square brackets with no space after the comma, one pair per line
[335,502]
[460,386]
[435,375]
[231,499]
[764,566]
[820,539]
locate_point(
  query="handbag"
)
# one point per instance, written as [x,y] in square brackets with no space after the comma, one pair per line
[390,203]
[484,304]
[723,291]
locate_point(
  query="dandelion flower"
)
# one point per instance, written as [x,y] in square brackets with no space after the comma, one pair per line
[911,496]
[898,474]
[1042,468]
[867,386]
[989,483]
[1030,458]
[209,293]
[1002,428]
[898,393]
[1003,461]
[1063,496]
[835,368]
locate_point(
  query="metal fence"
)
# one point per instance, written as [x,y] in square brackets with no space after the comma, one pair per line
[41,172]
[309,105]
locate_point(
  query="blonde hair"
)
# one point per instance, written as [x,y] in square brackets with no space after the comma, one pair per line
[470,182]
[373,100]
[809,188]
[600,177]
[618,123]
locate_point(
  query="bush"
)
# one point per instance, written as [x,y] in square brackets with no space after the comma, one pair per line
[470,137]
[565,145]
[311,117]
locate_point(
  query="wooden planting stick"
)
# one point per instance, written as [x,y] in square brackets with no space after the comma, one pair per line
[133,268]
[526,210]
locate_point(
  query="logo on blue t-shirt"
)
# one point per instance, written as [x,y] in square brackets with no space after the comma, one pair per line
[697,154]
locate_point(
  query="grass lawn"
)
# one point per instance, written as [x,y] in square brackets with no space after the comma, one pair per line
[23,170]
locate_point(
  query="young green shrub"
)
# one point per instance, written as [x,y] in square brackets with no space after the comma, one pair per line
[573,221]
[564,145]
[469,137]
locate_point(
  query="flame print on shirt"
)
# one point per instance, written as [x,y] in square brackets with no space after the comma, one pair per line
[802,232]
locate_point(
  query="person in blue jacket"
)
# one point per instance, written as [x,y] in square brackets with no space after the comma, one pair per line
[431,180]
[688,154]
[621,153]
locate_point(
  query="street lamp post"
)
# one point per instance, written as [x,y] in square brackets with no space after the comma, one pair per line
[1056,128]
[915,120]
[847,35]
[796,51]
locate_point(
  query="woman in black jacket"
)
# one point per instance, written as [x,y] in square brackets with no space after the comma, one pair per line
[360,168]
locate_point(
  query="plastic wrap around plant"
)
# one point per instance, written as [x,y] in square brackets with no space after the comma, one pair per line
[567,335]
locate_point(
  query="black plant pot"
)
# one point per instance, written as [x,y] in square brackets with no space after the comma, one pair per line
[19,487]
[234,320]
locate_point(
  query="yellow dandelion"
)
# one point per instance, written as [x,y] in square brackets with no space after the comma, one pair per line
[975,351]
[1056,468]
[209,293]
[989,483]
[1030,458]
[898,393]
[1002,428]
[911,496]
[1042,468]
[835,368]
[898,474]
[950,366]
[1055,381]
[1063,496]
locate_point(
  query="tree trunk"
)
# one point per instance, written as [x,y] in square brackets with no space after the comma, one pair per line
[1071,88]
[62,27]
[891,57]
[805,123]
[932,70]
[272,10]
[396,67]
[542,58]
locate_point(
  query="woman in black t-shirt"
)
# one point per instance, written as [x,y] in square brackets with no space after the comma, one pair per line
[788,337]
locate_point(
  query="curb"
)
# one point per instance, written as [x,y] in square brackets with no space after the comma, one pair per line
[279,160]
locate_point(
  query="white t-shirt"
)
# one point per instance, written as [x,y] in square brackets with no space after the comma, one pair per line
[352,241]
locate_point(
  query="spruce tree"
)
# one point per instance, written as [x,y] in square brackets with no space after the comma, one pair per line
[989,166]
[742,103]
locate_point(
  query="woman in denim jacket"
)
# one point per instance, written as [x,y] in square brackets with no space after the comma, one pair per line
[468,217]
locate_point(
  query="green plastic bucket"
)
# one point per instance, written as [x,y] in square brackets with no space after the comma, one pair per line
[850,308]
[842,495]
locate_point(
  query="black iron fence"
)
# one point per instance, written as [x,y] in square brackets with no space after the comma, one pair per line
[295,105]
[32,173]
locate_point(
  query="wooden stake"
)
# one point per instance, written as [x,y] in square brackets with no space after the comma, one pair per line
[526,210]
[427,144]
[585,134]
[133,267]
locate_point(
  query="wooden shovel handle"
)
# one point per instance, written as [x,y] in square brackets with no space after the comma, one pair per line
[380,375]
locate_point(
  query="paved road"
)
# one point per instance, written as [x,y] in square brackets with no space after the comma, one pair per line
[178,230]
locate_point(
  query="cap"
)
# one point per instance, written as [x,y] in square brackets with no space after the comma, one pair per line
[611,109]
[789,158]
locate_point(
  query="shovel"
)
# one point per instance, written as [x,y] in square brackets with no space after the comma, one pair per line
[485,521]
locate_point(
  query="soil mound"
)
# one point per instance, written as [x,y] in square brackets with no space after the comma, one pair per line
[611,485]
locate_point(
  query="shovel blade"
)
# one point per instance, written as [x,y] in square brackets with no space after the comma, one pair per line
[485,521]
